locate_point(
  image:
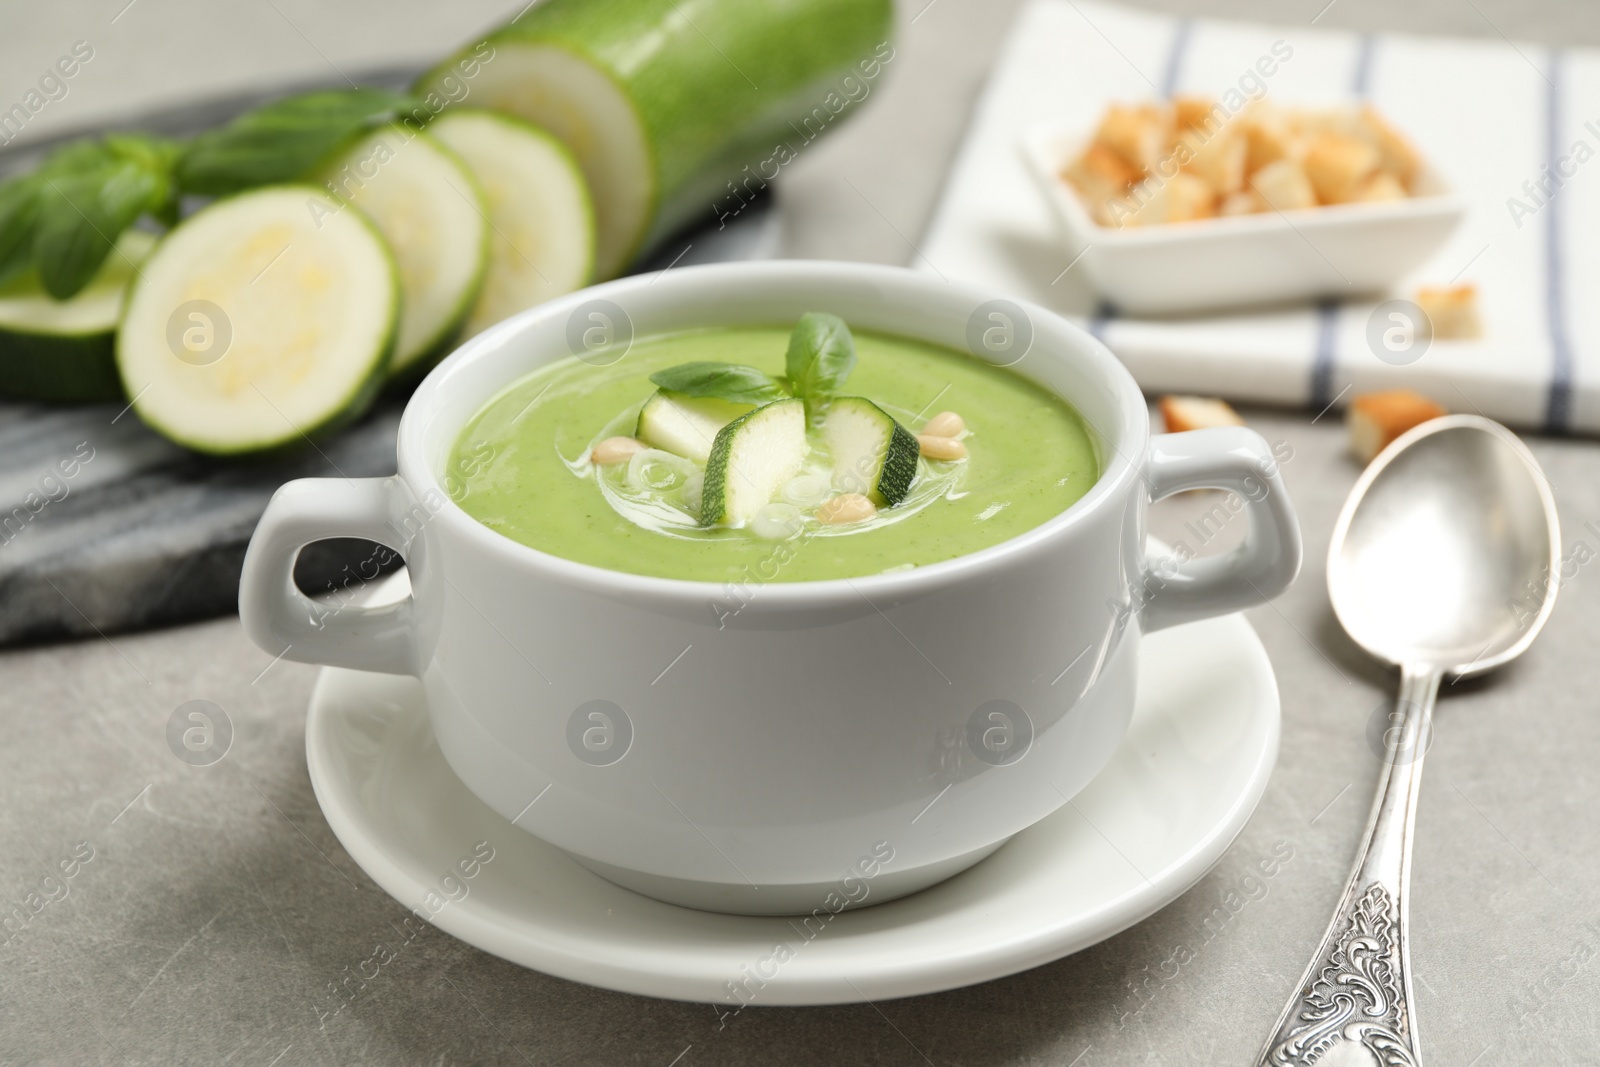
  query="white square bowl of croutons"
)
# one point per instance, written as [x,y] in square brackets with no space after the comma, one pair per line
[1182,207]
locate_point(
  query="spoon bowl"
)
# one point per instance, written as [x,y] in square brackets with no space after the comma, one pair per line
[1446,552]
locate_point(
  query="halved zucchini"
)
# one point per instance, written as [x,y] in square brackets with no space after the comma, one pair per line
[262,320]
[752,456]
[541,243]
[64,350]
[676,110]
[428,207]
[872,453]
[683,425]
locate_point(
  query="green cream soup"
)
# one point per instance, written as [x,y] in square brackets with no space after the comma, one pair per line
[525,468]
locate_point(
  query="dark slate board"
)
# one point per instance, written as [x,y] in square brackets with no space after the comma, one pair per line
[142,533]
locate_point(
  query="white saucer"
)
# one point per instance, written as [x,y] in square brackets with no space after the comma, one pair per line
[1195,762]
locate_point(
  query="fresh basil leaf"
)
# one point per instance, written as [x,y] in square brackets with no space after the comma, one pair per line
[821,355]
[87,194]
[18,210]
[284,140]
[78,157]
[70,239]
[725,381]
[157,155]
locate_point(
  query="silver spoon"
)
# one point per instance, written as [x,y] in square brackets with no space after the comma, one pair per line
[1444,562]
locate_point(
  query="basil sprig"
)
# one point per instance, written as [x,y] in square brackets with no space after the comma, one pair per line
[282,141]
[724,381]
[821,355]
[65,218]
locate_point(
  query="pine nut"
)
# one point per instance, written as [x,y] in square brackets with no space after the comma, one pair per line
[941,447]
[846,508]
[616,450]
[944,424]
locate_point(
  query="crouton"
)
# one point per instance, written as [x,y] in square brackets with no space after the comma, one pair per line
[1380,186]
[1376,419]
[1216,158]
[1191,199]
[1137,134]
[1395,152]
[1243,202]
[1100,176]
[1181,413]
[1181,198]
[1115,214]
[1267,136]
[1313,123]
[1452,313]
[1200,113]
[1337,165]
[1283,186]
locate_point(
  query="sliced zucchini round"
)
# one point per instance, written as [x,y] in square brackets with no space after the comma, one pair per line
[261,321]
[872,453]
[752,456]
[64,350]
[425,202]
[541,243]
[577,102]
[684,425]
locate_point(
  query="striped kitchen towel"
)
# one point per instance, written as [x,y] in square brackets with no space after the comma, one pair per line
[1514,128]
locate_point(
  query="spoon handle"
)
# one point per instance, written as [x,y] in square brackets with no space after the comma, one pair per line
[1358,987]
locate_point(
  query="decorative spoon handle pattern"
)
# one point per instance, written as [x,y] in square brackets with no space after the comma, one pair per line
[1358,987]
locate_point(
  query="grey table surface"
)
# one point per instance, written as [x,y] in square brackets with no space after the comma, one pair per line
[218,907]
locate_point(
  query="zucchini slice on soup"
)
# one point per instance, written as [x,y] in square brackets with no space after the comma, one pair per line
[872,453]
[684,425]
[752,456]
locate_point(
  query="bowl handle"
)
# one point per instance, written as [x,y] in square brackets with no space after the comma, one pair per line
[1178,588]
[287,623]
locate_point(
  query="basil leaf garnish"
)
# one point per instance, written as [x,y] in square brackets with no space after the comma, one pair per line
[725,381]
[285,139]
[821,355]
